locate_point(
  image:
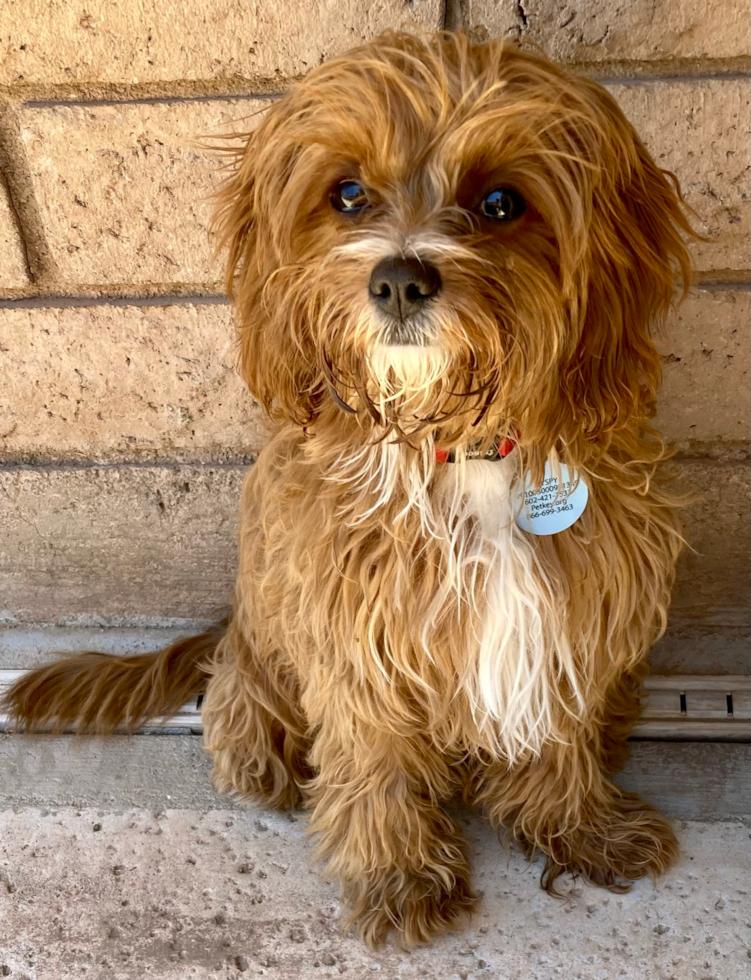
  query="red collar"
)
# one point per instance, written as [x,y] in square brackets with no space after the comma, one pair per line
[499,451]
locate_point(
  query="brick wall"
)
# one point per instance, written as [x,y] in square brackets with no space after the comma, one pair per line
[124,430]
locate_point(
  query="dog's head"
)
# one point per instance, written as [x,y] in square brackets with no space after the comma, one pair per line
[450,238]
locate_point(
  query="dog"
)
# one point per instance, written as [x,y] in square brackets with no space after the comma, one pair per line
[446,261]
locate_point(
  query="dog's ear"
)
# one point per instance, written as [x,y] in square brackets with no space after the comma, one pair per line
[626,280]
[277,365]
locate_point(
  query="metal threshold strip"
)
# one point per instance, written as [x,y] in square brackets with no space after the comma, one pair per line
[681,706]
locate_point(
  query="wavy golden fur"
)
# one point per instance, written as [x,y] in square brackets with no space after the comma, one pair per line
[396,639]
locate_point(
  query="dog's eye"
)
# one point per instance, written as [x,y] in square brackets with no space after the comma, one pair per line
[503,204]
[349,197]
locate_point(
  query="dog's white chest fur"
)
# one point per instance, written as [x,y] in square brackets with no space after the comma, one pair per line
[521,650]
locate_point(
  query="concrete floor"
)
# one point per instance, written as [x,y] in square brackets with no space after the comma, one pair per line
[229,893]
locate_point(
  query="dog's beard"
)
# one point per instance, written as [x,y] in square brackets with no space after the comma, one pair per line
[413,375]
[407,381]
[407,388]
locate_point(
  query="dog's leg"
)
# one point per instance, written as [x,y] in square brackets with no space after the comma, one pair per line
[400,858]
[563,804]
[622,709]
[254,727]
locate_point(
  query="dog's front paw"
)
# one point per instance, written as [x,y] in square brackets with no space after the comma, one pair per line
[625,843]
[418,907]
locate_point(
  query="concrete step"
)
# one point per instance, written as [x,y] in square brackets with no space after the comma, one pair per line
[224,895]
[687,780]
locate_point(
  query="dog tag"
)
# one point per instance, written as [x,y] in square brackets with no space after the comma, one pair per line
[556,505]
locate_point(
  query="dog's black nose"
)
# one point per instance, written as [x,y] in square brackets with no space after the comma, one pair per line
[400,286]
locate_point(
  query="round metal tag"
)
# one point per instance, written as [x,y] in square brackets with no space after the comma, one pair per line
[556,505]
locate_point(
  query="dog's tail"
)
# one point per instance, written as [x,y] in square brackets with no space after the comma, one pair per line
[97,693]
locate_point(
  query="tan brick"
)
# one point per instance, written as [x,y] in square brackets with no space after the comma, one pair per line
[712,585]
[607,30]
[12,264]
[700,131]
[706,394]
[150,543]
[125,190]
[154,544]
[107,381]
[83,41]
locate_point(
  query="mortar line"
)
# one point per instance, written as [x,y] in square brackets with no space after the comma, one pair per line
[168,99]
[622,72]
[40,265]
[242,462]
[78,465]
[724,281]
[61,302]
[454,15]
[213,294]
[630,71]
[97,92]
[634,80]
[194,294]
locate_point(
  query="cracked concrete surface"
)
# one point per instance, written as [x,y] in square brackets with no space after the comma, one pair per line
[192,895]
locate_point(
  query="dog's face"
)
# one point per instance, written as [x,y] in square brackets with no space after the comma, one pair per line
[452,239]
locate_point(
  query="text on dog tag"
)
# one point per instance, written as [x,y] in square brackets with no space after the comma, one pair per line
[557,504]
